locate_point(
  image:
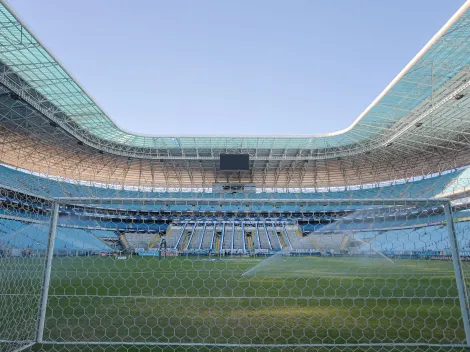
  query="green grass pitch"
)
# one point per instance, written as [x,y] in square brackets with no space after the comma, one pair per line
[302,300]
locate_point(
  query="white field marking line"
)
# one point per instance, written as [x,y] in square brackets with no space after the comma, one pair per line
[261,297]
[22,348]
[287,345]
[20,294]
[379,275]
[182,271]
[299,275]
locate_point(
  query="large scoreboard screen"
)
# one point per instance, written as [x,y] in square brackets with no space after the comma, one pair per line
[234,162]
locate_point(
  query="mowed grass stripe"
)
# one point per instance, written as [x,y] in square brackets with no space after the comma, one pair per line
[296,277]
[254,320]
[285,300]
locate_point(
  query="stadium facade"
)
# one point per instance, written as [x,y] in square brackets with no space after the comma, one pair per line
[413,128]
[76,189]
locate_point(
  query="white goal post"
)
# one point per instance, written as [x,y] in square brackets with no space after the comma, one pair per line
[343,273]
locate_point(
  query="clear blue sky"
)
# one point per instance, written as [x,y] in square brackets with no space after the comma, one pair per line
[234,67]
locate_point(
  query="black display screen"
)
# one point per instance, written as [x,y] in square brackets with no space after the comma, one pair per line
[234,162]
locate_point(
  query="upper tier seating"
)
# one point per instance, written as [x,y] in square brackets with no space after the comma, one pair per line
[44,187]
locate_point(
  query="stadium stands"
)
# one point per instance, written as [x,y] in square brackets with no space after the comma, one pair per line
[139,240]
[391,186]
[32,235]
[48,188]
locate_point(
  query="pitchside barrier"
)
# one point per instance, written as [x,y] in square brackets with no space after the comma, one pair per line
[348,275]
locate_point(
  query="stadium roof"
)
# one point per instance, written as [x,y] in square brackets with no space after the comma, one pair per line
[417,125]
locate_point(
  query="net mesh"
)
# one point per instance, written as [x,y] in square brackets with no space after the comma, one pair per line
[358,275]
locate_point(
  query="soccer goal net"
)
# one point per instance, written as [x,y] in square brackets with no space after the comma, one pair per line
[105,274]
